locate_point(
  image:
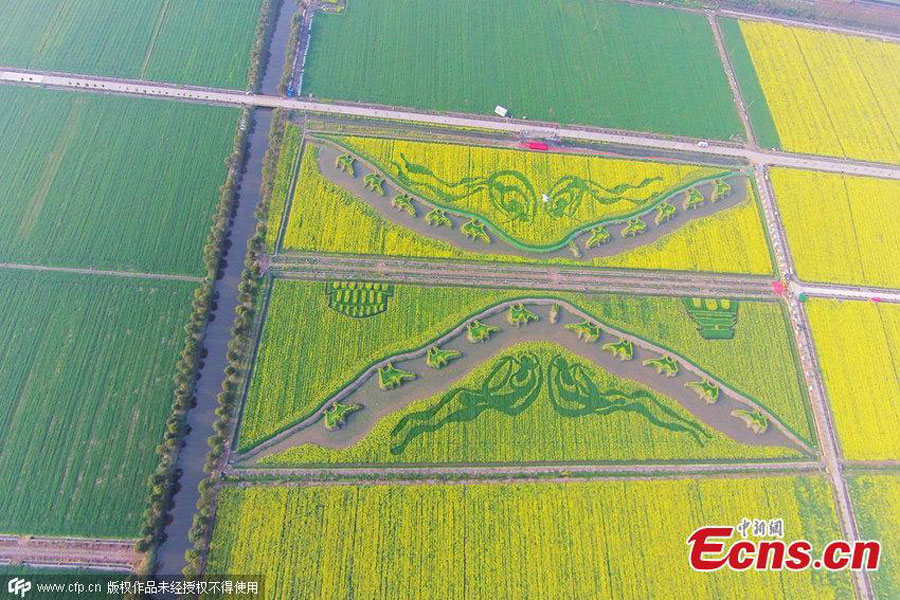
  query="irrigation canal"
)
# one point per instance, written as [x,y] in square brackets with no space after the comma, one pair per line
[200,419]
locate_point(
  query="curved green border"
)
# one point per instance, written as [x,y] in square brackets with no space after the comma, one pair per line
[499,231]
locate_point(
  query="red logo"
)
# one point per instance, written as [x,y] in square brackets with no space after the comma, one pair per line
[711,548]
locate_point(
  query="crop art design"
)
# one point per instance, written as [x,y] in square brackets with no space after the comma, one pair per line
[716,318]
[358,299]
[514,195]
[511,376]
[515,382]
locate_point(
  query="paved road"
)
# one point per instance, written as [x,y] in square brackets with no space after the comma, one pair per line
[116,555]
[230,97]
[828,439]
[22,267]
[845,293]
[825,431]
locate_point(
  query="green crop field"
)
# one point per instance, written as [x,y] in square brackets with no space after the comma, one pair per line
[85,388]
[593,62]
[654,427]
[539,540]
[287,385]
[64,576]
[754,97]
[181,41]
[109,182]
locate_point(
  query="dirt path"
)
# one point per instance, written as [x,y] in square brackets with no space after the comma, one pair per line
[118,555]
[22,267]
[829,442]
[520,473]
[440,272]
[732,80]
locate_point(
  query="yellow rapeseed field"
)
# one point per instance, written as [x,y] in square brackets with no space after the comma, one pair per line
[876,503]
[327,218]
[828,93]
[840,229]
[535,198]
[540,540]
[859,350]
[732,241]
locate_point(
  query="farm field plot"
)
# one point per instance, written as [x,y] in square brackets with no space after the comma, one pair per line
[543,540]
[751,91]
[289,152]
[529,206]
[828,93]
[536,200]
[198,42]
[569,409]
[304,319]
[85,388]
[840,228]
[858,344]
[876,502]
[109,182]
[608,64]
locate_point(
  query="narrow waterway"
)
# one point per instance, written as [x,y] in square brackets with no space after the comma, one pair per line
[243,222]
[201,418]
[277,46]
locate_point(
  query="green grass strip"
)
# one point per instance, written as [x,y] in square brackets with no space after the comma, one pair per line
[754,98]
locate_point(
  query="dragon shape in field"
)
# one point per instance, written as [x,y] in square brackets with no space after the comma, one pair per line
[512,386]
[513,194]
[574,394]
[515,382]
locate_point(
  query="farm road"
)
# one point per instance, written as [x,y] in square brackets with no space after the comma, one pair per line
[83,271]
[521,127]
[547,277]
[481,473]
[108,554]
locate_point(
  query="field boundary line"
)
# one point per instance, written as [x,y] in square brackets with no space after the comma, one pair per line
[152,45]
[732,80]
[256,341]
[783,20]
[102,272]
[835,29]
